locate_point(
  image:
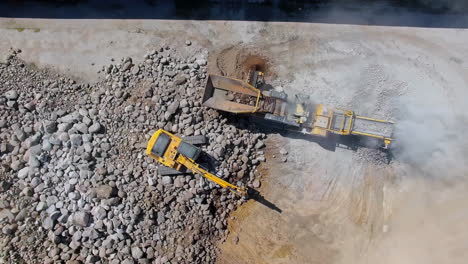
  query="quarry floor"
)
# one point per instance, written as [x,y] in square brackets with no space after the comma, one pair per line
[337,205]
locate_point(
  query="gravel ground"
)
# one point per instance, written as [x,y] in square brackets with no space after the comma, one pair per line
[76,185]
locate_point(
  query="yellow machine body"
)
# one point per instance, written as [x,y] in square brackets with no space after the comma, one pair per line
[170,155]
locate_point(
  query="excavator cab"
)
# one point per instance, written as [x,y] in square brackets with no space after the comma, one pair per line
[165,148]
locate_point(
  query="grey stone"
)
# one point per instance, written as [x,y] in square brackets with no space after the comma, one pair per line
[283,151]
[152,181]
[189,131]
[19,133]
[128,109]
[50,126]
[35,150]
[166,180]
[64,137]
[35,139]
[73,181]
[11,95]
[170,73]
[21,215]
[64,127]
[219,139]
[150,253]
[17,165]
[106,191]
[81,219]
[77,236]
[41,206]
[12,104]
[34,162]
[70,118]
[105,146]
[35,182]
[74,245]
[9,229]
[256,183]
[137,252]
[55,215]
[167,115]
[201,62]
[23,173]
[183,103]
[127,66]
[76,139]
[46,145]
[95,128]
[259,144]
[135,70]
[180,80]
[51,200]
[173,107]
[219,225]
[128,261]
[27,191]
[82,128]
[100,213]
[178,183]
[48,223]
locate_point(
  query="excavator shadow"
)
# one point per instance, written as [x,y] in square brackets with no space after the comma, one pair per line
[207,161]
[256,196]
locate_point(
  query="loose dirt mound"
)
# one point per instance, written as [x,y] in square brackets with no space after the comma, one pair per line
[237,61]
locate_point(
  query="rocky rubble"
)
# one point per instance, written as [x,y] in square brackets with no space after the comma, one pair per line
[76,186]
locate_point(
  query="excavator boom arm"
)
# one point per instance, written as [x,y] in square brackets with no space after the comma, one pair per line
[195,168]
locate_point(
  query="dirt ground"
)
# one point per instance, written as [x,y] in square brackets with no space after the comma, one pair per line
[339,205]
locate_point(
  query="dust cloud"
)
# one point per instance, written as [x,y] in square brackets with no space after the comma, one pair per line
[428,137]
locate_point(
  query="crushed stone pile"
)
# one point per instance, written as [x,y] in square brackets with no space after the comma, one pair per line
[75,183]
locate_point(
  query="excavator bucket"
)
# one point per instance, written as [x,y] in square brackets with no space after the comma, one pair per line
[230,95]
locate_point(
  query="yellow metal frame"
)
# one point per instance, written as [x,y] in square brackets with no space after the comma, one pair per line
[175,160]
[386,140]
[342,130]
[346,130]
[373,119]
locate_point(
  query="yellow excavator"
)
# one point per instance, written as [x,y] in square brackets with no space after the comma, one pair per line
[180,156]
[294,114]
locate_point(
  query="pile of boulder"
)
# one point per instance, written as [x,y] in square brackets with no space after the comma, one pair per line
[75,183]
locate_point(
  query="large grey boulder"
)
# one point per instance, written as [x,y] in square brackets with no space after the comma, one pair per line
[81,219]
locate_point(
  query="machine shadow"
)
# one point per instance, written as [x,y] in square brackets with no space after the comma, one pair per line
[256,196]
